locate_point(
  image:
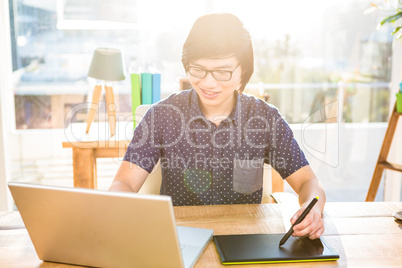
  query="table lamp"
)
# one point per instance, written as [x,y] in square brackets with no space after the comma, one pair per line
[106,65]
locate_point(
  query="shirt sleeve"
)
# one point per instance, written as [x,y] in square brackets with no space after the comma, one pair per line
[284,153]
[145,147]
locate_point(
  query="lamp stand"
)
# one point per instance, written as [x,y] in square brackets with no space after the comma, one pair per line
[110,107]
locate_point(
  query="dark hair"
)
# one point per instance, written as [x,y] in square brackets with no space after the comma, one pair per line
[218,35]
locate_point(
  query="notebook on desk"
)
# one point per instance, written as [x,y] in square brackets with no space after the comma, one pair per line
[264,248]
[106,229]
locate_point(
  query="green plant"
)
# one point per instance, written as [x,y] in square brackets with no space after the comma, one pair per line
[396,8]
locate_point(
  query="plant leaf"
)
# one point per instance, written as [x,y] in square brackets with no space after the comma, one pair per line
[397,29]
[391,18]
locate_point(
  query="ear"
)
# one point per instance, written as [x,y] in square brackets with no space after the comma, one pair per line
[185,83]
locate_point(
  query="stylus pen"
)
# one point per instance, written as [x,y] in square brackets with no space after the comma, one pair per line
[302,216]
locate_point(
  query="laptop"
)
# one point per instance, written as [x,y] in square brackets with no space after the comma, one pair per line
[106,229]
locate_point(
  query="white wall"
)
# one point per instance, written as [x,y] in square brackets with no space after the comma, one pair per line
[4,171]
[5,85]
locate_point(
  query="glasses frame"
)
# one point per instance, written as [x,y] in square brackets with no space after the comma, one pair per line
[212,72]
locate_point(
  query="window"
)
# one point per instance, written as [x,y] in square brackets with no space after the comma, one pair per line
[309,50]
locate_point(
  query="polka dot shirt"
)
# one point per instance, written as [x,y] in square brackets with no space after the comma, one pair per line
[205,164]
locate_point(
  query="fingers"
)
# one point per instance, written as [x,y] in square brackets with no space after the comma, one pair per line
[296,216]
[312,225]
[317,234]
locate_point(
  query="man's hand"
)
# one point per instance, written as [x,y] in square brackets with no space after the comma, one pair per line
[312,225]
[307,186]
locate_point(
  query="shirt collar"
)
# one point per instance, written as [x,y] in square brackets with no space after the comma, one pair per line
[195,109]
[233,116]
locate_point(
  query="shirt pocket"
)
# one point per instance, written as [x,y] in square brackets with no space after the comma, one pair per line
[247,175]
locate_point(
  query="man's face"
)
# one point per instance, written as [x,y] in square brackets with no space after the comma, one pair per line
[212,92]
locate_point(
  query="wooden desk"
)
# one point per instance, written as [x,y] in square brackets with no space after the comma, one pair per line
[98,143]
[363,234]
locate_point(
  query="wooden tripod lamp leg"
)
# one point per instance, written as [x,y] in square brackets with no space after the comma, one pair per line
[111,110]
[94,105]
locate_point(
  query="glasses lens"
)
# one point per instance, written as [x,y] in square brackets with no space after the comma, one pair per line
[197,72]
[222,75]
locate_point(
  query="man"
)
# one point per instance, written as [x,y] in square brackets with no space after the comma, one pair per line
[213,140]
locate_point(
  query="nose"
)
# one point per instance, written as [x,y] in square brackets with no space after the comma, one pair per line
[209,81]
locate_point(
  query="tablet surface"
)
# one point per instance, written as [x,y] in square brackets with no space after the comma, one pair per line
[264,248]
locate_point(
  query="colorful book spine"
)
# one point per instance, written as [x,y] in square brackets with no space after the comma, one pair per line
[146,88]
[156,88]
[135,94]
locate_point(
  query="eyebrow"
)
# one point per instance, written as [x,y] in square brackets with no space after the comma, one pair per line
[216,68]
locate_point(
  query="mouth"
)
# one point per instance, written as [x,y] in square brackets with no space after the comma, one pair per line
[209,94]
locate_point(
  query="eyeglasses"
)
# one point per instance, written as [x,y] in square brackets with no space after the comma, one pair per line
[219,75]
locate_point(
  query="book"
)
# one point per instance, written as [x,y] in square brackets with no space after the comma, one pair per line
[135,94]
[156,87]
[146,88]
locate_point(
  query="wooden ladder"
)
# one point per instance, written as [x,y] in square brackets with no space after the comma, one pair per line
[382,162]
